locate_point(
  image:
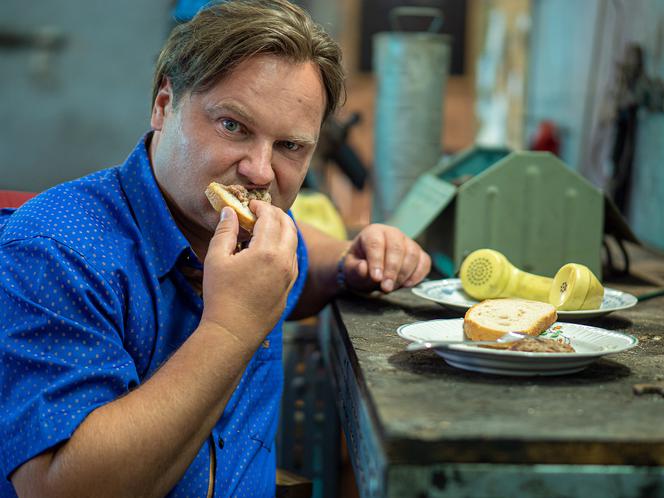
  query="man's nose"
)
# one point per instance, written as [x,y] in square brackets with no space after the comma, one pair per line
[257,164]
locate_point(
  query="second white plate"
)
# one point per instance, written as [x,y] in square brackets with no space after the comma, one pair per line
[450,294]
[589,343]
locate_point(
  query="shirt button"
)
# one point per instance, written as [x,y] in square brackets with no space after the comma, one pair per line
[220,442]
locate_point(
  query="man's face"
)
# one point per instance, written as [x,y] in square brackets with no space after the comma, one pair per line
[257,127]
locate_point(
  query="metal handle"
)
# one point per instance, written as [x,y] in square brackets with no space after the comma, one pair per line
[507,338]
[415,11]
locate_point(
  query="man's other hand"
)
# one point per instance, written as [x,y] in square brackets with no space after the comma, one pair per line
[382,257]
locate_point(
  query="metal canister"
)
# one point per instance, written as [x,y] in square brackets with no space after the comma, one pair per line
[411,69]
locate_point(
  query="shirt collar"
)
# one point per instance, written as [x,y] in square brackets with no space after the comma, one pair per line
[164,241]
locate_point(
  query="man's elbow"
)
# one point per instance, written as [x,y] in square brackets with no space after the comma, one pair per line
[29,479]
[40,477]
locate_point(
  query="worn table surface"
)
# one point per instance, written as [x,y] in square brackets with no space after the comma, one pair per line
[423,410]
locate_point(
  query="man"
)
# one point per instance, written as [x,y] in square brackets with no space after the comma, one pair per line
[118,377]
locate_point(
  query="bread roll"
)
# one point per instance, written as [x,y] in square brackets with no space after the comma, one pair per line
[236,197]
[491,319]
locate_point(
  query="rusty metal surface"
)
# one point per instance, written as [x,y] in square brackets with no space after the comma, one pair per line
[423,410]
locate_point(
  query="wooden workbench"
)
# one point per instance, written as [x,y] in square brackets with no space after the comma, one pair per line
[416,427]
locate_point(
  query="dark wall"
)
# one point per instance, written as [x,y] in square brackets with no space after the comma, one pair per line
[83,104]
[375,18]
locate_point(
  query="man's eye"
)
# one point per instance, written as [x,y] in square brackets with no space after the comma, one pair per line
[292,146]
[231,125]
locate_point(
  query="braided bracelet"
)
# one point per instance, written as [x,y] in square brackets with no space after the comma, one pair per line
[341,275]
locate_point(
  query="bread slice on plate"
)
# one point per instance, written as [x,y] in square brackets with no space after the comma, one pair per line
[491,319]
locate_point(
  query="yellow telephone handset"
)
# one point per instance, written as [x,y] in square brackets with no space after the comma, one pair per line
[487,274]
[575,287]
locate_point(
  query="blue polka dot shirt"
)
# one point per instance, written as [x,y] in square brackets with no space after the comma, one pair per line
[92,301]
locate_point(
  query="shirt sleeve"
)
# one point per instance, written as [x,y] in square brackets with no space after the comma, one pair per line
[61,346]
[302,270]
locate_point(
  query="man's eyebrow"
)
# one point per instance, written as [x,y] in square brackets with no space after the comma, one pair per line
[235,109]
[304,140]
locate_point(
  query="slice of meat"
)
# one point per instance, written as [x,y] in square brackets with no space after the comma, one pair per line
[244,195]
[532,345]
[541,345]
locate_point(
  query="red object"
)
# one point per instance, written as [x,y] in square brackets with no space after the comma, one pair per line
[14,199]
[546,138]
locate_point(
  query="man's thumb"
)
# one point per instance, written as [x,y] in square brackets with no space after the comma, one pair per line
[225,235]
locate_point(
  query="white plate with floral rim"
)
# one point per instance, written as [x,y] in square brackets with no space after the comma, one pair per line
[589,343]
[450,294]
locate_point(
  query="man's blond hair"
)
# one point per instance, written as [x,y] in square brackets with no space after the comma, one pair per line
[201,52]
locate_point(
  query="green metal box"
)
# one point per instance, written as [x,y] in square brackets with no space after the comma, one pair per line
[528,205]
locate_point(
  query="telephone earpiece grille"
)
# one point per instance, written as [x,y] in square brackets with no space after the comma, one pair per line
[479,271]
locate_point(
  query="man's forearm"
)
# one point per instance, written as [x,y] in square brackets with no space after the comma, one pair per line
[141,444]
[321,284]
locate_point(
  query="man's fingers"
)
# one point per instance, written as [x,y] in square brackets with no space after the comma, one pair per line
[394,256]
[225,235]
[374,250]
[266,228]
[383,257]
[356,267]
[422,270]
[267,225]
[357,274]
[409,263]
[274,242]
[272,224]
[363,269]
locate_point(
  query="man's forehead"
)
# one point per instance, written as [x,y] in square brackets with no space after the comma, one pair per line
[273,88]
[277,72]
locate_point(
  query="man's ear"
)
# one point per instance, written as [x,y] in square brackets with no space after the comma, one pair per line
[162,105]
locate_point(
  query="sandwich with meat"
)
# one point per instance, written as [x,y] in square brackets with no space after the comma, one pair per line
[237,197]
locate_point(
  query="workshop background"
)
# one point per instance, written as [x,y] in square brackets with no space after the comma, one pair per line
[77,74]
[583,80]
